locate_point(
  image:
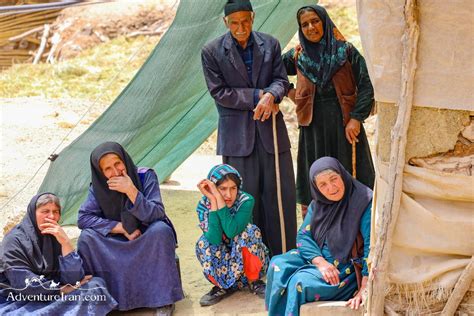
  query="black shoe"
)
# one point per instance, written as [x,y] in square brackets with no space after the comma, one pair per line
[214,296]
[258,288]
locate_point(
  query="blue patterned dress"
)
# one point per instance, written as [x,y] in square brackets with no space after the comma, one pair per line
[224,262]
[292,280]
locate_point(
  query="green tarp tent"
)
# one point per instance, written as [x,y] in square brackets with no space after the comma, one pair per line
[165,112]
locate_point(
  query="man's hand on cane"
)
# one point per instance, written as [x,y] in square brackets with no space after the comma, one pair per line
[265,107]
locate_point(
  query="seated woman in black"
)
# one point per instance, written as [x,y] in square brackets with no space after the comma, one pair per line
[41,273]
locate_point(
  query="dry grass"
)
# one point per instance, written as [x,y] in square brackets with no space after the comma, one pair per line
[83,77]
[87,75]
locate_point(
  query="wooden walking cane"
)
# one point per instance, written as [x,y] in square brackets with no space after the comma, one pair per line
[278,184]
[354,173]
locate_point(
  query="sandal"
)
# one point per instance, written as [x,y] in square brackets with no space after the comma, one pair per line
[214,296]
[258,288]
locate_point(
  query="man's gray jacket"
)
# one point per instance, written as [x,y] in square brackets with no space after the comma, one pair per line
[228,83]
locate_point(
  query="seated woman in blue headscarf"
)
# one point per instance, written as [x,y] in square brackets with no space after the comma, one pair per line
[41,273]
[126,237]
[231,249]
[333,241]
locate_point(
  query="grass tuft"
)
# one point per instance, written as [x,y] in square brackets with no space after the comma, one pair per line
[83,77]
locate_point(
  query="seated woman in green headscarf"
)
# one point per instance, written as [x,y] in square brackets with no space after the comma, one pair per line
[231,249]
[333,244]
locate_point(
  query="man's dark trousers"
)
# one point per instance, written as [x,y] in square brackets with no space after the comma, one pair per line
[259,179]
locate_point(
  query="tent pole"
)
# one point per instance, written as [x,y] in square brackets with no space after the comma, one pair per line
[354,161]
[462,286]
[278,184]
[389,213]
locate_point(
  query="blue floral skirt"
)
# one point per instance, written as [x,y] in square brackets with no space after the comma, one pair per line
[226,264]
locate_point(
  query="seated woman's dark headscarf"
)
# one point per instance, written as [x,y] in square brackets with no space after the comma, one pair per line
[337,222]
[113,203]
[25,247]
[320,61]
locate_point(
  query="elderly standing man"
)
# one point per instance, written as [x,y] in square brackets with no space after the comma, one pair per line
[247,79]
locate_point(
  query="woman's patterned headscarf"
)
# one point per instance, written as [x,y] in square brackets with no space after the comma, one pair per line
[217,173]
[320,61]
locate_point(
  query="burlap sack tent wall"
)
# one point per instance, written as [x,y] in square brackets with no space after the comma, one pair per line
[165,112]
[420,59]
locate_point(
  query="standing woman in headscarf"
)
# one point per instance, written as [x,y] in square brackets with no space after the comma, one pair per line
[41,273]
[126,237]
[333,97]
[333,241]
[231,250]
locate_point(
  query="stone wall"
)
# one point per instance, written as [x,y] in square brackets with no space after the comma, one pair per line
[431,130]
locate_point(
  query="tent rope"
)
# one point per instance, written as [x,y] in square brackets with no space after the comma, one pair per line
[53,155]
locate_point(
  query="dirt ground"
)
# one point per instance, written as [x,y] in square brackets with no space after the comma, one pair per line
[32,128]
[23,149]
